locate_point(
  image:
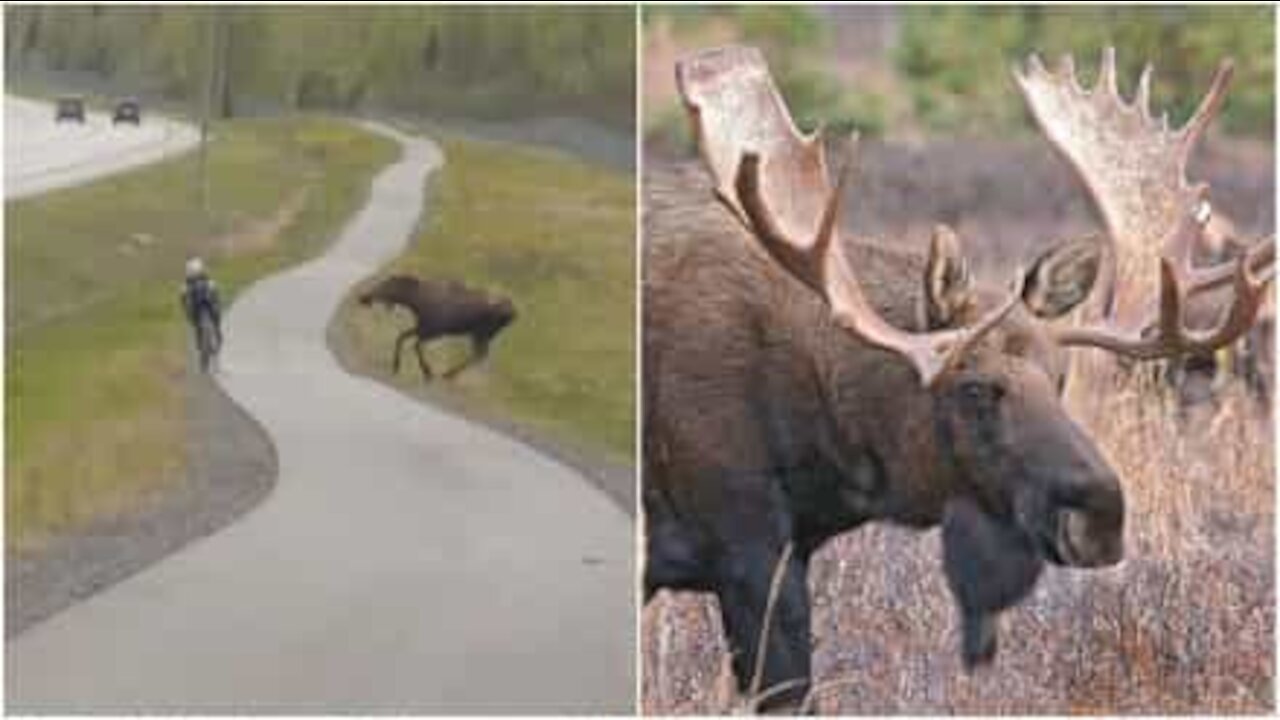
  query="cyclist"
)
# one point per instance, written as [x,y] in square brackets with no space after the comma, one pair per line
[200,294]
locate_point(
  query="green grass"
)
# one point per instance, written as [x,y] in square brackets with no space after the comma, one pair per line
[555,235]
[96,341]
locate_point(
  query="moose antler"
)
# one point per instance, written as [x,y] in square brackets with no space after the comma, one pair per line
[775,181]
[1165,333]
[1134,168]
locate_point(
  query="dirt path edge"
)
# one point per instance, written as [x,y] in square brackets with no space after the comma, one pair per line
[232,467]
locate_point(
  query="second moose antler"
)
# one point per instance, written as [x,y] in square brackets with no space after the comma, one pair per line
[1134,168]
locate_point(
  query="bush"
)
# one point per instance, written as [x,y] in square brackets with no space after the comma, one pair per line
[957,59]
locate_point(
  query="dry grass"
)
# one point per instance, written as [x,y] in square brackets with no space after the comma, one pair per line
[1185,624]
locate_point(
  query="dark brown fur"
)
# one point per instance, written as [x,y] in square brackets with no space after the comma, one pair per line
[441,308]
[765,424]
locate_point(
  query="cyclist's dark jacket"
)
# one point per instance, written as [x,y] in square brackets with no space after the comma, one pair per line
[201,293]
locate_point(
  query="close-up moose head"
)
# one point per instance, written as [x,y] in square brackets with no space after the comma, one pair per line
[800,382]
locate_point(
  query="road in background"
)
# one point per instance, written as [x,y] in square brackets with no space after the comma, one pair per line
[41,155]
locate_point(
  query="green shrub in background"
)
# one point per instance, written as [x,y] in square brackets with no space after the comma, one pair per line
[956,59]
[953,63]
[493,61]
[796,40]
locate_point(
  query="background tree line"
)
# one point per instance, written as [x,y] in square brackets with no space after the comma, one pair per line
[925,69]
[497,62]
[954,53]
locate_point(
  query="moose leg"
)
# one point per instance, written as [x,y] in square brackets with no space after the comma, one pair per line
[422,361]
[672,558]
[479,351]
[395,358]
[743,583]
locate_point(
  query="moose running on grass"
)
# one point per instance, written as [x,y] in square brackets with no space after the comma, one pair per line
[441,308]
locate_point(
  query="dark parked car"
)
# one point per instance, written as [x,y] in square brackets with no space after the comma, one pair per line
[69,107]
[128,111]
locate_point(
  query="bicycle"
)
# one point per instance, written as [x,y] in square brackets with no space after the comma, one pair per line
[208,341]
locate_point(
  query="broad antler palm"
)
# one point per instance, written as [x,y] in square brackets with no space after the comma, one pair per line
[1134,168]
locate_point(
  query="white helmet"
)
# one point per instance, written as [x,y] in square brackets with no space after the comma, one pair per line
[195,267]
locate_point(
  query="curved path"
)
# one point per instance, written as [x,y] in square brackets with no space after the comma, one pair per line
[41,155]
[407,562]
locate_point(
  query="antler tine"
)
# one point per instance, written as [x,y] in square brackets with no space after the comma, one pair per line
[1195,127]
[1251,273]
[1265,251]
[1142,97]
[1067,70]
[828,224]
[1172,337]
[1107,73]
[1259,260]
[1250,294]
[775,180]
[1247,297]
[1034,65]
[806,263]
[824,266]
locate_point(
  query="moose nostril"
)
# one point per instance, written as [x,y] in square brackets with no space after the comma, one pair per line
[1089,539]
[1111,502]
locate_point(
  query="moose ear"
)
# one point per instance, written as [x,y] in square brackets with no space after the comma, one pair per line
[1062,277]
[948,286]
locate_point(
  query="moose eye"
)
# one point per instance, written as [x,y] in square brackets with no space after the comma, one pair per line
[983,396]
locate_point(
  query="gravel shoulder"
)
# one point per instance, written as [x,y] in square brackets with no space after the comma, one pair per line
[232,466]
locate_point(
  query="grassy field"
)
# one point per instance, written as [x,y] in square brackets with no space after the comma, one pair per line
[556,236]
[96,341]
